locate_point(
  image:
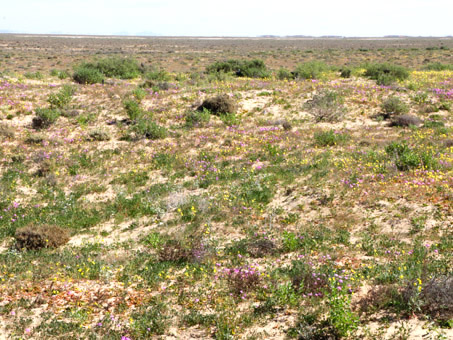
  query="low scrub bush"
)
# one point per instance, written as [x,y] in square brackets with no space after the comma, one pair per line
[197,118]
[133,109]
[329,138]
[62,98]
[326,106]
[438,67]
[45,117]
[311,70]
[146,128]
[117,67]
[87,75]
[393,105]
[6,131]
[406,158]
[36,237]
[386,74]
[284,73]
[241,68]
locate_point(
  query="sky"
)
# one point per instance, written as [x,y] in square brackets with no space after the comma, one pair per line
[248,18]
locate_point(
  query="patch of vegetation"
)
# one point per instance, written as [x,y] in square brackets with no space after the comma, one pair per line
[241,68]
[386,74]
[311,70]
[35,237]
[326,106]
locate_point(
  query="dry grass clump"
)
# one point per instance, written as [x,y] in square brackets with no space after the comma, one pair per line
[405,121]
[34,237]
[261,248]
[98,135]
[177,251]
[437,297]
[6,131]
[220,105]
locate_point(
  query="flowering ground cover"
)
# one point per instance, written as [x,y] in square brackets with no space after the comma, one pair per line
[309,213]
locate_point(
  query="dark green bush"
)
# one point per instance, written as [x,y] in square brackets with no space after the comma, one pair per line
[345,73]
[386,74]
[116,67]
[241,68]
[310,70]
[87,75]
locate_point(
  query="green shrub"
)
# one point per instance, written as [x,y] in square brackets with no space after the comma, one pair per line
[133,109]
[345,72]
[406,158]
[62,98]
[438,67]
[329,138]
[139,94]
[386,74]
[284,73]
[157,75]
[230,119]
[116,67]
[241,68]
[326,106]
[146,128]
[394,106]
[197,118]
[34,75]
[87,75]
[45,117]
[310,70]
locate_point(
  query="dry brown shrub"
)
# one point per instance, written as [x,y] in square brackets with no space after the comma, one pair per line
[222,104]
[6,131]
[34,237]
[260,248]
[437,297]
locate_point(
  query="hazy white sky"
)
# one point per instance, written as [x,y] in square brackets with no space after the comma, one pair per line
[229,18]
